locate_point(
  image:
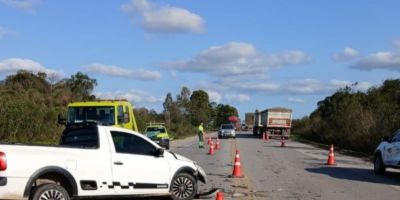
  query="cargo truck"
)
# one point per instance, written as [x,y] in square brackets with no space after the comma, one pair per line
[275,121]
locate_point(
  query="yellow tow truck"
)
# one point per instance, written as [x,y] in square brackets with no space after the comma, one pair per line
[118,113]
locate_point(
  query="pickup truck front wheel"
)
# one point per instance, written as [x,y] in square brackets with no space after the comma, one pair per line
[379,166]
[184,187]
[50,191]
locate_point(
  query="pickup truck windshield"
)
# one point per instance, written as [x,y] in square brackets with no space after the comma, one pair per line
[85,138]
[103,115]
[228,126]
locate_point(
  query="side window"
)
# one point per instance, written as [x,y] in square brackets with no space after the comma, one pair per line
[120,113]
[132,144]
[127,119]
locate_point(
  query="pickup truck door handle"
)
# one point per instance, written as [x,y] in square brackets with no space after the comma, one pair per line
[118,163]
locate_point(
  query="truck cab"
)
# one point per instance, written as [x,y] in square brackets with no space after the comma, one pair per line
[118,113]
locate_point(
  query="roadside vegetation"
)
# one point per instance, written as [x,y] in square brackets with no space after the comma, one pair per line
[352,119]
[30,104]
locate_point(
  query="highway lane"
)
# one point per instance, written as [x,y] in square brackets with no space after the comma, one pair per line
[293,172]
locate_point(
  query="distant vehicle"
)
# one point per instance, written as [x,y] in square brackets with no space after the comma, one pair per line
[158,133]
[387,154]
[226,130]
[249,120]
[95,161]
[276,121]
[118,113]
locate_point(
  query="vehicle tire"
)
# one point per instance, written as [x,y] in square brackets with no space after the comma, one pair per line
[167,146]
[219,137]
[183,187]
[49,191]
[379,166]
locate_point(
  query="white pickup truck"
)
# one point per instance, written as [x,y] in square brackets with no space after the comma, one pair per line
[96,161]
[387,154]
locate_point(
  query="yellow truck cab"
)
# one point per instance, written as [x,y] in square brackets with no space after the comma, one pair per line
[118,113]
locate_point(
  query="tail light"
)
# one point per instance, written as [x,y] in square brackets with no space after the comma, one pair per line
[3,161]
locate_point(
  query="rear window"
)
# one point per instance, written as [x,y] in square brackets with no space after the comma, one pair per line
[83,138]
[226,126]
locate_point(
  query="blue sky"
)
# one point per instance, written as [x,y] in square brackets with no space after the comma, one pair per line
[250,54]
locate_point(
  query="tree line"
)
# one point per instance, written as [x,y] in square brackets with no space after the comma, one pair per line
[30,103]
[183,114]
[352,119]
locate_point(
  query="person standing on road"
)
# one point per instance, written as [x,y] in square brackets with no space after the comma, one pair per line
[201,135]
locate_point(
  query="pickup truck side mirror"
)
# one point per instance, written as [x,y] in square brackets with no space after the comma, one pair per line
[386,139]
[61,120]
[159,152]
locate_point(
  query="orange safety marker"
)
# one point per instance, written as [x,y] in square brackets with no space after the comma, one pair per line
[237,168]
[331,157]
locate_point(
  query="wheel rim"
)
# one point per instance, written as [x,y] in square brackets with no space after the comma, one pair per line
[182,187]
[51,195]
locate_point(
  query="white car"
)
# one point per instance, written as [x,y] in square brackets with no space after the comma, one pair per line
[96,161]
[387,154]
[226,130]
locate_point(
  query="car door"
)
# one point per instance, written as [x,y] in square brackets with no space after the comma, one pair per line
[136,169]
[393,149]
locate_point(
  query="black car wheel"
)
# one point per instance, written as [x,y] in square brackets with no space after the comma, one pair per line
[183,187]
[50,191]
[379,166]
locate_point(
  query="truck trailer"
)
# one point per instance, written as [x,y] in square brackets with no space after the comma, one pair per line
[274,121]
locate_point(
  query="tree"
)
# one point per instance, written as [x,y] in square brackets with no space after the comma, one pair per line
[199,107]
[223,112]
[81,86]
[183,100]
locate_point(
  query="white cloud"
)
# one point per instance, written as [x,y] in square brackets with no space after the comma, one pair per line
[25,5]
[396,43]
[12,65]
[137,97]
[360,86]
[112,70]
[214,96]
[380,60]
[237,58]
[240,98]
[347,54]
[155,18]
[293,87]
[295,100]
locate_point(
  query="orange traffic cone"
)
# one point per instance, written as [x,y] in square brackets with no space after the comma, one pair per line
[283,142]
[220,196]
[331,157]
[263,138]
[209,140]
[237,169]
[217,145]
[211,149]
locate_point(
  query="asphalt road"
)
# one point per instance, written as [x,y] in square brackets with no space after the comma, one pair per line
[297,171]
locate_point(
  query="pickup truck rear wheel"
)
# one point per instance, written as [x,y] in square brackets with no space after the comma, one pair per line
[50,191]
[379,166]
[184,187]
